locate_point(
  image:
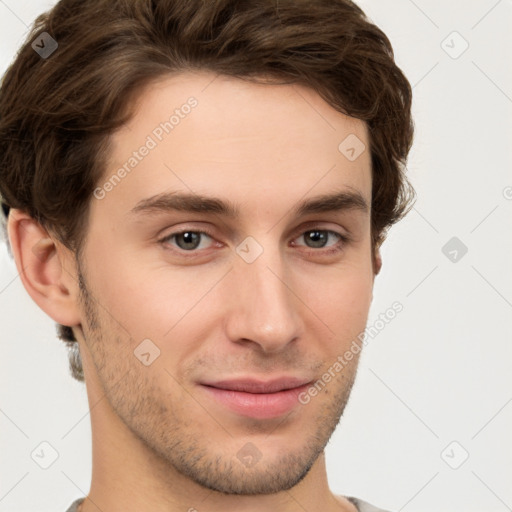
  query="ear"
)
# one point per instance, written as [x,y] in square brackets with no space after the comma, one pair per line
[377,262]
[46,268]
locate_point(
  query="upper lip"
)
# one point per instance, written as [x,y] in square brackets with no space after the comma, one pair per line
[258,386]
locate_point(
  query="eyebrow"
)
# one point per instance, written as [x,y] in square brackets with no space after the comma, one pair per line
[194,203]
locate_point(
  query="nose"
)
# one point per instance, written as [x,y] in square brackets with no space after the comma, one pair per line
[264,307]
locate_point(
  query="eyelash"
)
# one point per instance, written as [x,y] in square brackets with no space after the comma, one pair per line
[343,240]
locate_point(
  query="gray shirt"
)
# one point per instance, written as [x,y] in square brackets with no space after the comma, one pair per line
[361,505]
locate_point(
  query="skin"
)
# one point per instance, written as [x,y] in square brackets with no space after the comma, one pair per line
[160,442]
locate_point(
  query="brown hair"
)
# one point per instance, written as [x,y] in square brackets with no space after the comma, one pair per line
[56,113]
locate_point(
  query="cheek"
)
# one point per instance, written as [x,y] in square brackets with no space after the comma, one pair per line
[157,302]
[341,302]
[143,301]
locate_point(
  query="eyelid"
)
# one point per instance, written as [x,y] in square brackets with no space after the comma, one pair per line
[321,226]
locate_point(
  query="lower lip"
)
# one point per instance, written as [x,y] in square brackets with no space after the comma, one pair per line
[258,405]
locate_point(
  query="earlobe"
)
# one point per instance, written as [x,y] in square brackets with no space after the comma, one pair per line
[40,262]
[377,262]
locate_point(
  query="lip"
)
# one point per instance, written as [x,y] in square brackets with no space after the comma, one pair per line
[258,399]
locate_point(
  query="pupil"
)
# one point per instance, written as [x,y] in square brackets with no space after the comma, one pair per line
[315,235]
[190,238]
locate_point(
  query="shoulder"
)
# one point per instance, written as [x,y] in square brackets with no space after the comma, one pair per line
[363,506]
[74,505]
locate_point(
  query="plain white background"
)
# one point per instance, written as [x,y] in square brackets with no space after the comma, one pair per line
[429,421]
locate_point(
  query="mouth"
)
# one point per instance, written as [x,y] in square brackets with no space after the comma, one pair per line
[258,399]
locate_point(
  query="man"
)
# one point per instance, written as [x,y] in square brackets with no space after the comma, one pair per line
[197,193]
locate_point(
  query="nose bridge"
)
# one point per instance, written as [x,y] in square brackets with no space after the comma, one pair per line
[263,303]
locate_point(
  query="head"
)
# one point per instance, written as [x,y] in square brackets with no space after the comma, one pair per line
[239,115]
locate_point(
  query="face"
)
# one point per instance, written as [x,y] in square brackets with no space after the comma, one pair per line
[190,306]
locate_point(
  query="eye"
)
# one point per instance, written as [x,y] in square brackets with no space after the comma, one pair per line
[187,240]
[318,238]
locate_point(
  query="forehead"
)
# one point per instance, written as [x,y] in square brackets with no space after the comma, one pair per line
[227,137]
